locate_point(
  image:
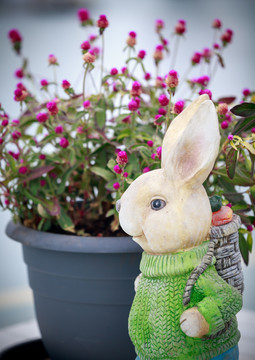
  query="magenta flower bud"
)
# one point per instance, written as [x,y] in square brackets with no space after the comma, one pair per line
[159,151]
[229,205]
[159,24]
[85,45]
[79,130]
[246,92]
[66,84]
[141,54]
[92,37]
[206,91]
[163,100]
[172,80]
[18,92]
[196,58]
[132,34]
[42,117]
[23,170]
[21,86]
[162,111]
[1,140]
[159,119]
[114,71]
[226,37]
[133,105]
[116,186]
[146,169]
[153,156]
[14,155]
[7,202]
[53,175]
[52,60]
[228,117]
[249,227]
[5,122]
[42,182]
[180,27]
[122,158]
[86,104]
[127,120]
[230,137]
[19,73]
[150,143]
[89,57]
[136,89]
[16,135]
[222,108]
[117,169]
[206,54]
[216,46]
[96,50]
[178,107]
[64,142]
[124,70]
[83,15]
[102,22]
[52,108]
[44,82]
[203,80]
[159,47]
[125,174]
[253,130]
[147,76]
[42,157]
[216,24]
[14,36]
[224,125]
[15,122]
[59,129]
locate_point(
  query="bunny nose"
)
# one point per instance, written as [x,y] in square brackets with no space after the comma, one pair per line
[118,204]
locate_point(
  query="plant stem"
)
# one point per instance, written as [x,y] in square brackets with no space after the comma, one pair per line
[55,79]
[176,47]
[84,79]
[168,111]
[102,63]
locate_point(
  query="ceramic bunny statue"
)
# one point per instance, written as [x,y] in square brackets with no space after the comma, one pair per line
[167,212]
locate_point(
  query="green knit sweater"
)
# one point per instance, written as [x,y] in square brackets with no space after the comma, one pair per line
[154,320]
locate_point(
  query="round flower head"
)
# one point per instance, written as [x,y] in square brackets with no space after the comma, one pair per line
[246,92]
[159,24]
[203,80]
[83,15]
[86,104]
[224,125]
[196,58]
[116,185]
[230,137]
[66,84]
[89,57]
[178,107]
[52,108]
[222,109]
[64,142]
[162,111]
[23,170]
[207,54]
[117,169]
[147,76]
[102,23]
[133,105]
[92,37]
[19,73]
[114,71]
[216,24]
[131,40]
[42,157]
[16,135]
[124,70]
[59,129]
[159,119]
[216,46]
[150,143]
[163,100]
[14,36]
[226,37]
[85,45]
[136,89]
[52,60]
[42,117]
[158,53]
[127,120]
[141,54]
[20,95]
[206,91]
[146,169]
[180,27]
[253,130]
[122,158]
[44,82]
[172,80]
[159,151]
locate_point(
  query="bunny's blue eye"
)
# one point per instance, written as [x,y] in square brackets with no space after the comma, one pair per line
[158,204]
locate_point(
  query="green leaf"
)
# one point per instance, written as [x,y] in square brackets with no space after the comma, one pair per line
[249,147]
[105,174]
[65,222]
[244,125]
[249,242]
[35,199]
[11,161]
[244,248]
[252,194]
[123,134]
[241,178]
[111,163]
[65,177]
[144,150]
[245,109]
[80,114]
[34,174]
[110,212]
[231,161]
[242,207]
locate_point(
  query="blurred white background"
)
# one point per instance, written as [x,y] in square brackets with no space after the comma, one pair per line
[51,26]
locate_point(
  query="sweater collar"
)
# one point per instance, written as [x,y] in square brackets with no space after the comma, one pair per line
[173,264]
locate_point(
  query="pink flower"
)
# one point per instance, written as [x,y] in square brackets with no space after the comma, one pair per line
[158,53]
[153,156]
[150,143]
[159,25]
[216,24]
[132,34]
[228,117]
[226,37]
[124,70]
[133,105]
[159,151]
[229,205]
[125,174]
[92,37]
[20,95]
[15,36]
[42,157]
[178,107]
[253,130]
[5,122]
[224,125]
[180,27]
[16,135]
[15,122]
[131,40]
[114,71]
[23,170]
[89,57]
[146,169]
[136,89]
[79,130]
[122,158]
[86,104]
[83,15]
[59,130]
[160,47]
[44,82]
[206,54]
[85,45]
[163,100]
[14,155]
[42,117]
[64,142]
[249,227]
[52,60]
[162,111]
[230,137]
[7,202]
[66,84]
[141,54]
[127,120]
[116,185]
[42,182]
[206,91]
[102,22]
[1,140]
[159,119]
[246,92]
[117,169]
[147,76]
[21,86]
[203,80]
[196,58]
[222,109]
[19,73]
[52,108]
[172,79]
[216,46]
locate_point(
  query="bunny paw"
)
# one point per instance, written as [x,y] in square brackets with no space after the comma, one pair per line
[193,324]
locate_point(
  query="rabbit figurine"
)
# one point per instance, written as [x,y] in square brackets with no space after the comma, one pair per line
[168,213]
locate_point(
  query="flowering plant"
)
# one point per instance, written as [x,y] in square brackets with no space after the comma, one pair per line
[67,159]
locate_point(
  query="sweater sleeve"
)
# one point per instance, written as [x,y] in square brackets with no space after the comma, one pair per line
[221,301]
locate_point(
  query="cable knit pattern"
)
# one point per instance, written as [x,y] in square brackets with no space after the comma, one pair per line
[155,314]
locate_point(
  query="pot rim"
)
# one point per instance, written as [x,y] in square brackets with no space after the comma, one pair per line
[71,243]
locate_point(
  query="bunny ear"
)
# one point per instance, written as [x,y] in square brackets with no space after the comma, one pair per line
[191,143]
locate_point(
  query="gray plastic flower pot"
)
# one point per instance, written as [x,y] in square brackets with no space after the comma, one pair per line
[83,288]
